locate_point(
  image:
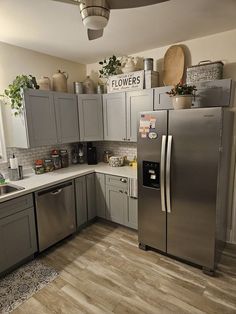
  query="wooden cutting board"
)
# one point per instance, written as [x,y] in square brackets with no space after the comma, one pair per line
[173,65]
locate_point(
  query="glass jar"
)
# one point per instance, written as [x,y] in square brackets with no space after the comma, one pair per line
[107,154]
[38,166]
[64,158]
[56,159]
[48,165]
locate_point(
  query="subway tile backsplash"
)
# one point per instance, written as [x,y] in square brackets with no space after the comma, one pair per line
[26,157]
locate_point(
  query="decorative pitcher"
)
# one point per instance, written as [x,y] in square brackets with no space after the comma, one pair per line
[59,81]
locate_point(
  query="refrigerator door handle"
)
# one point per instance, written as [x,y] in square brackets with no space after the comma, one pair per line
[163,161]
[168,162]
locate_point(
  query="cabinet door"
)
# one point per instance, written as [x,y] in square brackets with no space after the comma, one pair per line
[90,117]
[40,114]
[131,216]
[67,118]
[161,99]
[116,204]
[81,201]
[100,195]
[114,114]
[91,196]
[136,102]
[17,238]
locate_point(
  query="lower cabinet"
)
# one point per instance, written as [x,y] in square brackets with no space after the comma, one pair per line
[91,196]
[131,216]
[17,232]
[116,204]
[81,201]
[100,195]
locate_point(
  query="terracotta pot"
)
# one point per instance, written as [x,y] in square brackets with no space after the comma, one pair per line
[44,83]
[59,81]
[182,102]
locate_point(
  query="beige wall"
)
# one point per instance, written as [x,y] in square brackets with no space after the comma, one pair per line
[221,46]
[15,60]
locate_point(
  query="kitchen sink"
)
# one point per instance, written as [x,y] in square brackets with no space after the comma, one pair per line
[9,188]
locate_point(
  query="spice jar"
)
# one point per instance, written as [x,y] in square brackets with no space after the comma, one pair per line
[107,154]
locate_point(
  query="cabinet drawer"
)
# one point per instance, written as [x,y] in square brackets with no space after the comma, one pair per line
[15,205]
[117,181]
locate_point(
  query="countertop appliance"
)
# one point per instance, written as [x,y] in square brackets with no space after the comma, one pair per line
[55,212]
[91,154]
[183,171]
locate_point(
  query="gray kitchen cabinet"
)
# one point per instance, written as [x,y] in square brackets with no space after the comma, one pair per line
[47,118]
[17,231]
[114,115]
[90,117]
[66,118]
[100,195]
[91,196]
[161,99]
[131,215]
[38,119]
[136,102]
[81,201]
[116,204]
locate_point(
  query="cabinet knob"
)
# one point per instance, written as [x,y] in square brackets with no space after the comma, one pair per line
[123,180]
[121,191]
[124,139]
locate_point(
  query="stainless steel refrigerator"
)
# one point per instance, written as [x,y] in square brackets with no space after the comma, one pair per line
[183,170]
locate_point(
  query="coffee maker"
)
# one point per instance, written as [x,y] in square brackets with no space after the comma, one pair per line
[91,154]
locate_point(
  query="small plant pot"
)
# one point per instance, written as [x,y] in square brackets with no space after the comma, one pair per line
[182,102]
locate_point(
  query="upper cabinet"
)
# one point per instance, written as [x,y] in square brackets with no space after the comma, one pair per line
[121,113]
[137,102]
[48,118]
[161,99]
[90,117]
[114,115]
[66,118]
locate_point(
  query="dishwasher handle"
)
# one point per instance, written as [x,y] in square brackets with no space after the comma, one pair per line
[54,190]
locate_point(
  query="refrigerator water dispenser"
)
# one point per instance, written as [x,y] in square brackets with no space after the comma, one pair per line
[151,174]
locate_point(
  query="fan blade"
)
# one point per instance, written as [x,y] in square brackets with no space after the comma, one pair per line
[69,1]
[124,4]
[94,33]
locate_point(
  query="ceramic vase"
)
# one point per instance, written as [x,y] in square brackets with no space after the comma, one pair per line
[182,101]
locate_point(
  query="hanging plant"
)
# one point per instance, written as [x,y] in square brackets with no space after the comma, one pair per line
[15,91]
[110,66]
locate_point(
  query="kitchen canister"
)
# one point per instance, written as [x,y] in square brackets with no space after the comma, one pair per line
[148,64]
[59,81]
[78,87]
[116,161]
[44,83]
[205,71]
[88,86]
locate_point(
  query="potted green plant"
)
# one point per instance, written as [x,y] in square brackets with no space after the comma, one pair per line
[182,95]
[15,91]
[110,66]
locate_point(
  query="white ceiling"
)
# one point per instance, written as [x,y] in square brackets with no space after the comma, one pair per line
[56,28]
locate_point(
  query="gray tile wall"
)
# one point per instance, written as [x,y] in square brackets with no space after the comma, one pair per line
[117,148]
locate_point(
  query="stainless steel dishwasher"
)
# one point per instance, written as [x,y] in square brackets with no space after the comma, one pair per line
[55,211]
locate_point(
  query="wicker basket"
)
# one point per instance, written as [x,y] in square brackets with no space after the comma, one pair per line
[205,71]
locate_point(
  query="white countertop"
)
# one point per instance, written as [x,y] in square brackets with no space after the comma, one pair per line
[33,182]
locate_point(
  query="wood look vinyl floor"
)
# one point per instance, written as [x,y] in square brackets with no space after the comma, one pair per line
[103,271]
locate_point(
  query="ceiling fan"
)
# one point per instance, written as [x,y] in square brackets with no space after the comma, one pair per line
[95,13]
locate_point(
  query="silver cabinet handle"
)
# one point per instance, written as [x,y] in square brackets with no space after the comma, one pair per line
[121,191]
[163,161]
[123,180]
[56,192]
[168,163]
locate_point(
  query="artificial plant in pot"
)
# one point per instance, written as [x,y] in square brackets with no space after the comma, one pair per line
[15,91]
[182,95]
[110,66]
